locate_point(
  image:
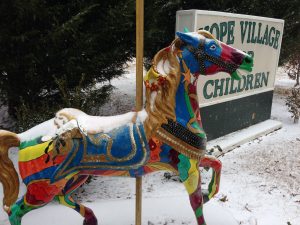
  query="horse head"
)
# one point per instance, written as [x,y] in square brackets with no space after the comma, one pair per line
[203,54]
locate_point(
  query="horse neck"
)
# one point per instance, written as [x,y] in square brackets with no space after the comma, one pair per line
[187,107]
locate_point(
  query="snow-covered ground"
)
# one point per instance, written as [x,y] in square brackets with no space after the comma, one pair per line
[260,182]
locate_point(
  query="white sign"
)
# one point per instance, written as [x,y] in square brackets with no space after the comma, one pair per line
[258,36]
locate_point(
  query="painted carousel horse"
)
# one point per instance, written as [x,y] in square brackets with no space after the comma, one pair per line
[166,135]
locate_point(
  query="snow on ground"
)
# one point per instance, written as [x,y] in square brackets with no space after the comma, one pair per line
[123,98]
[283,83]
[261,179]
[260,182]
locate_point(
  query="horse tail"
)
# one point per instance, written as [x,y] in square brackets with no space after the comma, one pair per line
[8,174]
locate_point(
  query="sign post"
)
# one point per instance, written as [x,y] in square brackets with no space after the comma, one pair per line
[139,93]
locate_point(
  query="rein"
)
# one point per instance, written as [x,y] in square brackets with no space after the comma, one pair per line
[202,56]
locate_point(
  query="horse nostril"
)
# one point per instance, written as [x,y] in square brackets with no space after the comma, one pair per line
[248,59]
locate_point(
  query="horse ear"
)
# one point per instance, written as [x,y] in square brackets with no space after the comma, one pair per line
[188,38]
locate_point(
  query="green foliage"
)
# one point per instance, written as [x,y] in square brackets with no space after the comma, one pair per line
[293,103]
[87,99]
[160,19]
[53,52]
[292,60]
[43,43]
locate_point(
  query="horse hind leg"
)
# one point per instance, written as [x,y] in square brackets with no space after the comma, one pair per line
[20,208]
[190,175]
[38,194]
[66,199]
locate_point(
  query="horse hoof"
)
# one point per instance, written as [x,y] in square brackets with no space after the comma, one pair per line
[90,221]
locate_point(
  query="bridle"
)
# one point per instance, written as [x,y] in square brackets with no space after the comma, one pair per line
[202,56]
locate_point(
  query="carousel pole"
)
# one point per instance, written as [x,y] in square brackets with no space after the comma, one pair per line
[139,94]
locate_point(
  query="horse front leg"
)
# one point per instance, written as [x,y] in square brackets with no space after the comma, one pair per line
[212,162]
[190,176]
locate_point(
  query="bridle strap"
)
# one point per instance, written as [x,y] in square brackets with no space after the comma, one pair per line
[202,56]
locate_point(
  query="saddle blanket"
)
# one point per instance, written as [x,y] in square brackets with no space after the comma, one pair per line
[123,148]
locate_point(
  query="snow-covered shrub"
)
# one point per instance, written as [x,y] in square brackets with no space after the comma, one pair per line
[293,103]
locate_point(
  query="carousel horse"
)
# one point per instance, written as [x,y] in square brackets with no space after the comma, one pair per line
[166,135]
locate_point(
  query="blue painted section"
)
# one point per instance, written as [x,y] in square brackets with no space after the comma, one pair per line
[121,147]
[190,60]
[211,47]
[44,174]
[137,172]
[189,38]
[164,156]
[181,109]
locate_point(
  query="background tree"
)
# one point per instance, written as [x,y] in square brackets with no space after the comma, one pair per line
[293,67]
[52,52]
[292,59]
[293,103]
[161,16]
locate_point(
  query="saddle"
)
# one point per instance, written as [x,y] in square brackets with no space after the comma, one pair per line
[122,148]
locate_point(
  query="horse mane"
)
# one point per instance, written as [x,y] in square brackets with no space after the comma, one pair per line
[160,103]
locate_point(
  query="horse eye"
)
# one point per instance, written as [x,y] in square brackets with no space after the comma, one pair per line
[213,47]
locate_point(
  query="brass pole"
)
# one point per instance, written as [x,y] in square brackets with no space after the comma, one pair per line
[139,53]
[139,94]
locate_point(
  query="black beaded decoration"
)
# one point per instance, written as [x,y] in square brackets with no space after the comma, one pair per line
[182,133]
[201,56]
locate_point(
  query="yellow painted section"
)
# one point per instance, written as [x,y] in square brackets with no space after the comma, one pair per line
[71,175]
[62,201]
[151,74]
[82,210]
[157,166]
[192,181]
[214,188]
[34,152]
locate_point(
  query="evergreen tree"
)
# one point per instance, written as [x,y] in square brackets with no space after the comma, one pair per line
[161,16]
[53,52]
[50,46]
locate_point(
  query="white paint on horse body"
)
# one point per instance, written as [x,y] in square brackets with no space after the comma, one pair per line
[63,116]
[87,124]
[152,99]
[163,68]
[104,124]
[47,128]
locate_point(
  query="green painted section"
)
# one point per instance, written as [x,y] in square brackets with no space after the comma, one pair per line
[188,104]
[199,212]
[224,118]
[68,201]
[247,65]
[32,142]
[184,166]
[211,183]
[185,30]
[18,210]
[192,115]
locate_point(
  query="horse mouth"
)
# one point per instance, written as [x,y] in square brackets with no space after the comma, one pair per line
[246,66]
